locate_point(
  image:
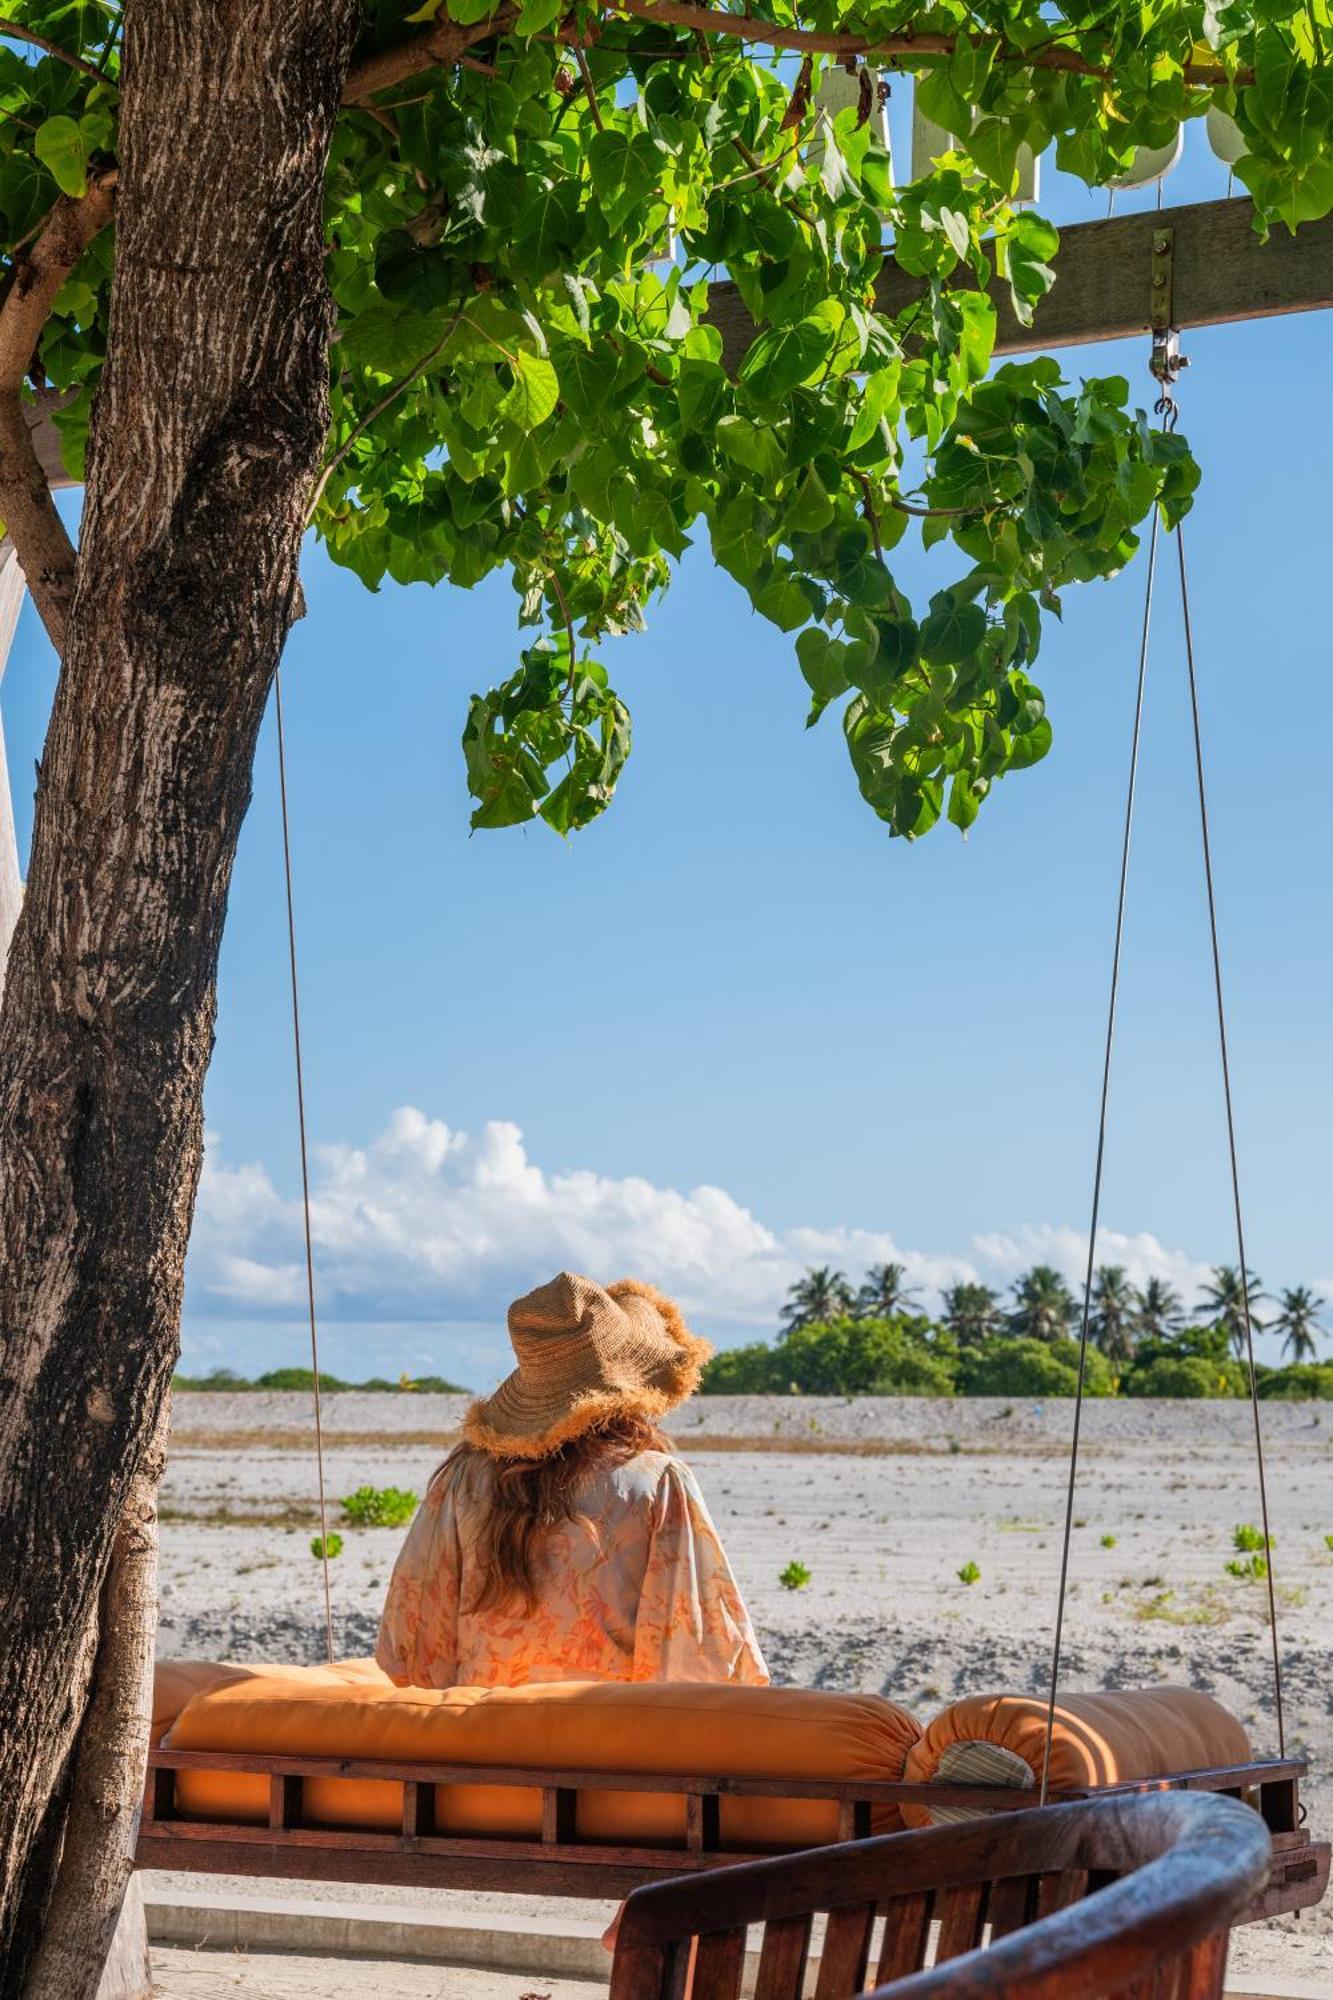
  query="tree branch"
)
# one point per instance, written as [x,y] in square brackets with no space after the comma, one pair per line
[445,41]
[435,48]
[892,48]
[45,551]
[390,396]
[18,33]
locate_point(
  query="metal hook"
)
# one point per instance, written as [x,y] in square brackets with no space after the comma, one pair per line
[1166,360]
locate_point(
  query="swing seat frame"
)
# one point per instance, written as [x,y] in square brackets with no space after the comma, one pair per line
[560,1863]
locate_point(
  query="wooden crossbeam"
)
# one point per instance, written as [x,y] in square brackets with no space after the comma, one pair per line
[1103,290]
[1222,272]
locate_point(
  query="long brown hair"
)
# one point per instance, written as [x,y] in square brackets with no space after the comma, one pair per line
[530,1497]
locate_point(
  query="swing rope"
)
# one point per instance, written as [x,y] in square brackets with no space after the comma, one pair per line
[305,1161]
[1125,843]
[1231,1139]
[1166,409]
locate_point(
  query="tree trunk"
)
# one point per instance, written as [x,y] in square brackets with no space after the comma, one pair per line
[11,884]
[106,1786]
[207,433]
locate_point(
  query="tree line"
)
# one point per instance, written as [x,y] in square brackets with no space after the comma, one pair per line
[837,1338]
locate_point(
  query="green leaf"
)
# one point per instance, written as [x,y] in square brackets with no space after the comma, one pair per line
[952,632]
[535,391]
[965,798]
[786,356]
[1031,746]
[823,662]
[61,146]
[1030,245]
[550,229]
[752,445]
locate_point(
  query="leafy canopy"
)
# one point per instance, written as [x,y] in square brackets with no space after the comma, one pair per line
[525,377]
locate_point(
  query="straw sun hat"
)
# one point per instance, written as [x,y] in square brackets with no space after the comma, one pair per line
[585,1355]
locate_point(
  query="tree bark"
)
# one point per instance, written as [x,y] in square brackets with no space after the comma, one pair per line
[106,1787]
[11,880]
[207,432]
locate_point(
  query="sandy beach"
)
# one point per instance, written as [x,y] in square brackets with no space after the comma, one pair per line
[883,1501]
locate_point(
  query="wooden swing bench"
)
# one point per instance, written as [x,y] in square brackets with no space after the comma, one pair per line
[543,1828]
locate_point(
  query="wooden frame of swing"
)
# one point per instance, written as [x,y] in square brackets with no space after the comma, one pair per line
[1222,273]
[560,1863]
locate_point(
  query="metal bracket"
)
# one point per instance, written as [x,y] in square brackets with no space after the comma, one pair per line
[1166,360]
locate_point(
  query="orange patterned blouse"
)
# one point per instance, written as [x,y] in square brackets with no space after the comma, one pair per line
[635,1588]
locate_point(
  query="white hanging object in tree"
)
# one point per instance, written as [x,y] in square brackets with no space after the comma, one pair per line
[1225,137]
[840,90]
[929,140]
[1150,164]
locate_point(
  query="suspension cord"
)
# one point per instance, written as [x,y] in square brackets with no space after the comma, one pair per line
[305,1162]
[1231,1139]
[1101,1155]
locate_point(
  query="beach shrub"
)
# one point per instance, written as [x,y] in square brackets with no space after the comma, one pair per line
[843,1357]
[1247,1538]
[1194,1361]
[794,1577]
[1108,1541]
[741,1371]
[379,1506]
[969,1573]
[1185,1375]
[301,1378]
[304,1378]
[1300,1382]
[220,1380]
[330,1545]
[1023,1367]
[1249,1569]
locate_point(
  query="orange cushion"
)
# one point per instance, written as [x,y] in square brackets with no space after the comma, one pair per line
[1099,1739]
[654,1727]
[178,1681]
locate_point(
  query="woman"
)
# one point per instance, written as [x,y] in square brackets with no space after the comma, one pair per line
[563,1540]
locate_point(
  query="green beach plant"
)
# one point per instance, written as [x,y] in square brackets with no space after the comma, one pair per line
[379,1506]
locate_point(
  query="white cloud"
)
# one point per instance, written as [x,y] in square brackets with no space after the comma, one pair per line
[428,1225]
[1004,1256]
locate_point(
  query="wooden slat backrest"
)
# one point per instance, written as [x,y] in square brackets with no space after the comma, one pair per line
[846,1952]
[906,1936]
[1181,1867]
[719,1966]
[783,1957]
[959,1913]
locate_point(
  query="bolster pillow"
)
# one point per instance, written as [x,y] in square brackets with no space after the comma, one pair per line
[660,1728]
[1099,1739]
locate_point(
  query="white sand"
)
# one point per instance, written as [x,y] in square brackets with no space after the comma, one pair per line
[884,1500]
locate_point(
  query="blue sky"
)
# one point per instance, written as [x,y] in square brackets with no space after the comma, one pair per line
[736,983]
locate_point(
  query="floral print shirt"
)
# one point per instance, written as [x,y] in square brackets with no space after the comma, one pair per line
[636,1587]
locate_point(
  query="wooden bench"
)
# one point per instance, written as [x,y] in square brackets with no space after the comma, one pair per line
[561,1863]
[1131,1897]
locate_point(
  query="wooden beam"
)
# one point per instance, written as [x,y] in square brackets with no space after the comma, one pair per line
[1222,272]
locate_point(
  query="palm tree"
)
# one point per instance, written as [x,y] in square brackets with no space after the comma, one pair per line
[821,1295]
[1158,1310]
[1044,1308]
[1224,1302]
[1111,1322]
[1298,1320]
[884,1295]
[971,1313]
